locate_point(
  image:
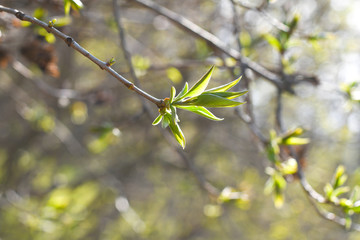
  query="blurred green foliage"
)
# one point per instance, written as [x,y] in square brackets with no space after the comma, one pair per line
[90,167]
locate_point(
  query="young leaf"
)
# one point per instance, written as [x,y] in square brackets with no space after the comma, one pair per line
[201,111]
[172,94]
[295,141]
[229,95]
[269,186]
[173,114]
[77,4]
[328,189]
[338,191]
[356,207]
[273,41]
[355,194]
[182,93]
[67,6]
[278,199]
[348,221]
[166,120]
[225,87]
[209,100]
[157,120]
[200,85]
[175,129]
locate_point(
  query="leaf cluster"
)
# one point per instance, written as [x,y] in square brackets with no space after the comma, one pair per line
[336,187]
[196,99]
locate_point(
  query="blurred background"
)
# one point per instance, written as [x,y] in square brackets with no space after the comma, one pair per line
[80,159]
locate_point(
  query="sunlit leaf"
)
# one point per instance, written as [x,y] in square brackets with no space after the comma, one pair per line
[182,93]
[174,75]
[175,129]
[63,21]
[229,193]
[339,176]
[209,100]
[279,200]
[157,120]
[172,94]
[166,120]
[77,4]
[174,114]
[229,95]
[328,189]
[340,190]
[67,6]
[273,41]
[356,207]
[40,13]
[348,222]
[355,193]
[293,133]
[340,170]
[200,85]
[224,87]
[269,186]
[289,166]
[212,210]
[201,111]
[295,141]
[280,181]
[342,180]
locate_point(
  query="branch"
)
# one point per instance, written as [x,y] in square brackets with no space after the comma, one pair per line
[203,183]
[72,43]
[313,196]
[210,39]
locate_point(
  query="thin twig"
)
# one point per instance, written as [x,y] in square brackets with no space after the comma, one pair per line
[72,43]
[332,217]
[210,39]
[275,22]
[313,196]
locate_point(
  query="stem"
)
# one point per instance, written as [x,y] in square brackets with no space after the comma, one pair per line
[72,43]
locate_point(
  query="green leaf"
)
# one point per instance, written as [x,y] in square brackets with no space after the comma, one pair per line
[279,200]
[269,186]
[174,75]
[328,189]
[172,94]
[280,181]
[228,95]
[224,87]
[295,141]
[340,190]
[209,100]
[356,207]
[173,114]
[67,6]
[175,129]
[182,93]
[355,194]
[166,120]
[200,85]
[39,13]
[288,167]
[340,170]
[293,133]
[273,41]
[63,21]
[348,222]
[201,111]
[76,4]
[157,120]
[339,176]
